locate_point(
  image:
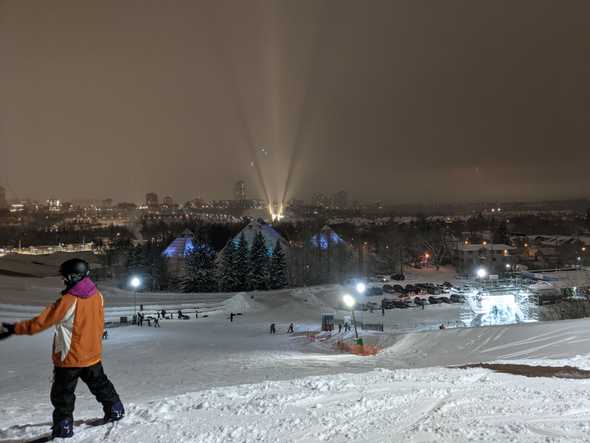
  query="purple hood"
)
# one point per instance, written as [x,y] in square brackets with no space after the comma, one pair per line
[84,288]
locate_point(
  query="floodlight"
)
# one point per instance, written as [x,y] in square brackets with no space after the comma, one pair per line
[348,300]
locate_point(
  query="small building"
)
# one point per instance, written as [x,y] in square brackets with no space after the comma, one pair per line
[495,257]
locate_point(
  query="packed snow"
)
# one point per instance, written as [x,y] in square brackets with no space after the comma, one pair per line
[209,379]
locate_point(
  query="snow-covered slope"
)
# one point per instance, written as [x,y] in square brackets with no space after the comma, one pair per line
[212,380]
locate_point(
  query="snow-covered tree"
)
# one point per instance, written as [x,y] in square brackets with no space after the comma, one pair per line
[199,271]
[136,260]
[259,263]
[278,277]
[242,264]
[227,273]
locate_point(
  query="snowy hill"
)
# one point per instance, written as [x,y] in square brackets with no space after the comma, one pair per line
[212,380]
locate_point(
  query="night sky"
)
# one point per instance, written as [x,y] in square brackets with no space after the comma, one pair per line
[403,101]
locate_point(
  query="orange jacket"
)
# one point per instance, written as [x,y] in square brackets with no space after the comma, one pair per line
[78,316]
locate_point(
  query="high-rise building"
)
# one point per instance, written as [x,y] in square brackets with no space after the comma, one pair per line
[151,200]
[3,202]
[168,202]
[320,200]
[54,205]
[240,191]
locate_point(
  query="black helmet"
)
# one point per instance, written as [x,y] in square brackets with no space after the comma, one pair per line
[74,270]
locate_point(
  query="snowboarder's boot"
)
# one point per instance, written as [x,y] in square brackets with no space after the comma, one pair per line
[63,429]
[115,412]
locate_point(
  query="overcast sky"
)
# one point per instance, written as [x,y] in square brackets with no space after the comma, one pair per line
[403,101]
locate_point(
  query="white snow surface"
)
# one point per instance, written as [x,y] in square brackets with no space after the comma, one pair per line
[212,380]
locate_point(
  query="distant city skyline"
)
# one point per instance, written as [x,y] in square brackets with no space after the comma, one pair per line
[159,199]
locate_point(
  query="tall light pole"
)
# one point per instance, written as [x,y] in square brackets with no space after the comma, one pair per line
[135,283]
[361,287]
[349,301]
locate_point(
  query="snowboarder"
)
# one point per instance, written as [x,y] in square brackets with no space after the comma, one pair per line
[78,316]
[273,329]
[196,314]
[156,322]
[291,328]
[140,317]
[231,316]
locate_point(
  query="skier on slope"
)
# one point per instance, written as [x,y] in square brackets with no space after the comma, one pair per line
[78,316]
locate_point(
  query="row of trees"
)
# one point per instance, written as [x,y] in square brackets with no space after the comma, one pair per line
[239,268]
[370,249]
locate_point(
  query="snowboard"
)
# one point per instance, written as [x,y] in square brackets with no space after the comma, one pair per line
[46,437]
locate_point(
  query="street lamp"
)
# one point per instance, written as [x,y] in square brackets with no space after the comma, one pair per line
[349,301]
[135,283]
[481,273]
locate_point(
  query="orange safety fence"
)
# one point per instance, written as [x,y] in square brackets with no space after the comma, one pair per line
[357,349]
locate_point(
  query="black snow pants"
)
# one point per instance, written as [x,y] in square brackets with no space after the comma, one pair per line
[64,386]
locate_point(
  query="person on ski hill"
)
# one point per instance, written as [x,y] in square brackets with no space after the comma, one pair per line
[78,317]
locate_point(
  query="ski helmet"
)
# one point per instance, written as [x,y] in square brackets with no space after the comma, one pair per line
[74,270]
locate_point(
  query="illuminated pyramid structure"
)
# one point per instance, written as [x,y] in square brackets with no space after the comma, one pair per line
[327,238]
[180,248]
[271,236]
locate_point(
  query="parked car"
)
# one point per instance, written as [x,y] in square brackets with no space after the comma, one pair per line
[398,277]
[388,288]
[399,288]
[434,300]
[411,288]
[457,298]
[444,299]
[400,304]
[374,290]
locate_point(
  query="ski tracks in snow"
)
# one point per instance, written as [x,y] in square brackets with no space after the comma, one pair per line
[409,405]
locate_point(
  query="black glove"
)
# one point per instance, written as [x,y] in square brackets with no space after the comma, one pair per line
[7,330]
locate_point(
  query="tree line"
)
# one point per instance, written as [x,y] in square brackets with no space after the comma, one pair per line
[237,267]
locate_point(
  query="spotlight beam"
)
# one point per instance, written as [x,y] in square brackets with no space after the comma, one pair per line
[304,110]
[229,73]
